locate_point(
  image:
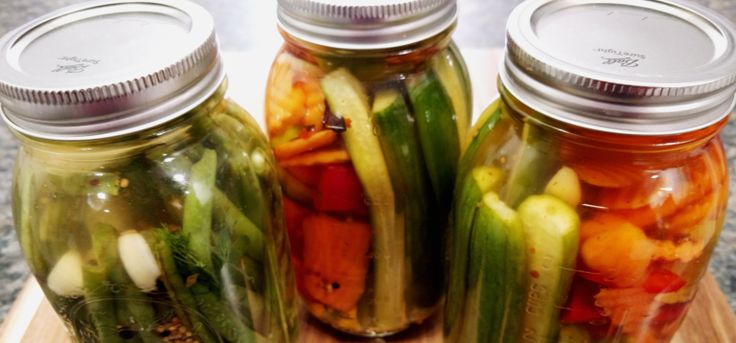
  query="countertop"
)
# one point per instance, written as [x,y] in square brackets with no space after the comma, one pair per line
[248,25]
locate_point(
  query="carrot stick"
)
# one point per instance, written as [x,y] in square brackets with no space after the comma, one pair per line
[302,145]
[319,157]
[335,260]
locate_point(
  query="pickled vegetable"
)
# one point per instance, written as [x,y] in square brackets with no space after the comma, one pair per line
[383,157]
[616,239]
[172,237]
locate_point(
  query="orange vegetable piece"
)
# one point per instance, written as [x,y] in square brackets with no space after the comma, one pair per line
[293,95]
[638,195]
[336,257]
[621,254]
[302,145]
[316,158]
[599,223]
[607,173]
[693,214]
[629,308]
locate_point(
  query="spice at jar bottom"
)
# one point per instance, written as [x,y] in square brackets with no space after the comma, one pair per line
[145,205]
[594,189]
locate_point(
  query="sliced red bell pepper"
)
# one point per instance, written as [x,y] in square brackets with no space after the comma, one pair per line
[294,215]
[580,307]
[339,190]
[663,281]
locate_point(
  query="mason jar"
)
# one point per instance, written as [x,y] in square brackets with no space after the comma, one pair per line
[144,200]
[367,108]
[594,189]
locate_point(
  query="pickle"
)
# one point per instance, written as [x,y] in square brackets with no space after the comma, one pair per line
[551,228]
[405,164]
[438,134]
[474,186]
[197,221]
[453,76]
[347,98]
[497,270]
[531,165]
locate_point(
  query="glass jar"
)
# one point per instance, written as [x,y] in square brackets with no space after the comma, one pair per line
[367,108]
[146,206]
[594,189]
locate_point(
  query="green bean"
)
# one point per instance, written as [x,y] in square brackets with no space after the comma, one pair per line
[175,285]
[230,216]
[197,223]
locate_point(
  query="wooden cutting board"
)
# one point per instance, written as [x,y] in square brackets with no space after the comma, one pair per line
[32,320]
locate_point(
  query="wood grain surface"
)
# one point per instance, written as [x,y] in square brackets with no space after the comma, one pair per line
[32,320]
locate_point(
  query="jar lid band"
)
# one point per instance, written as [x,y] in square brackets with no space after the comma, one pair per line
[627,66]
[365,24]
[107,68]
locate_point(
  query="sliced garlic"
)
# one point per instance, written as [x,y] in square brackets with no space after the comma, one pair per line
[138,260]
[66,278]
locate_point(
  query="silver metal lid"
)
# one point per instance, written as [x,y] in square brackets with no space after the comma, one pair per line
[365,24]
[107,68]
[642,67]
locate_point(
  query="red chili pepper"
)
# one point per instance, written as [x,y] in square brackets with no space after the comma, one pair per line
[294,215]
[339,190]
[580,307]
[663,281]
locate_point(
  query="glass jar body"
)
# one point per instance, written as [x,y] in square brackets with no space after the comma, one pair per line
[586,235]
[163,235]
[367,144]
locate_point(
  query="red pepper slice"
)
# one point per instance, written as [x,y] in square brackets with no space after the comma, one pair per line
[580,307]
[663,281]
[339,190]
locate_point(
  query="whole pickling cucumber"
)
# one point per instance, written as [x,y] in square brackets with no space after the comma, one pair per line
[497,274]
[551,228]
[347,98]
[479,181]
[438,133]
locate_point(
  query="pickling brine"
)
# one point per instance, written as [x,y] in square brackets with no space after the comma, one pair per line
[580,236]
[166,236]
[593,191]
[367,142]
[146,203]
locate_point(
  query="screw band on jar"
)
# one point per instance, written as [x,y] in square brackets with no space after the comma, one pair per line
[567,69]
[80,93]
[365,25]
